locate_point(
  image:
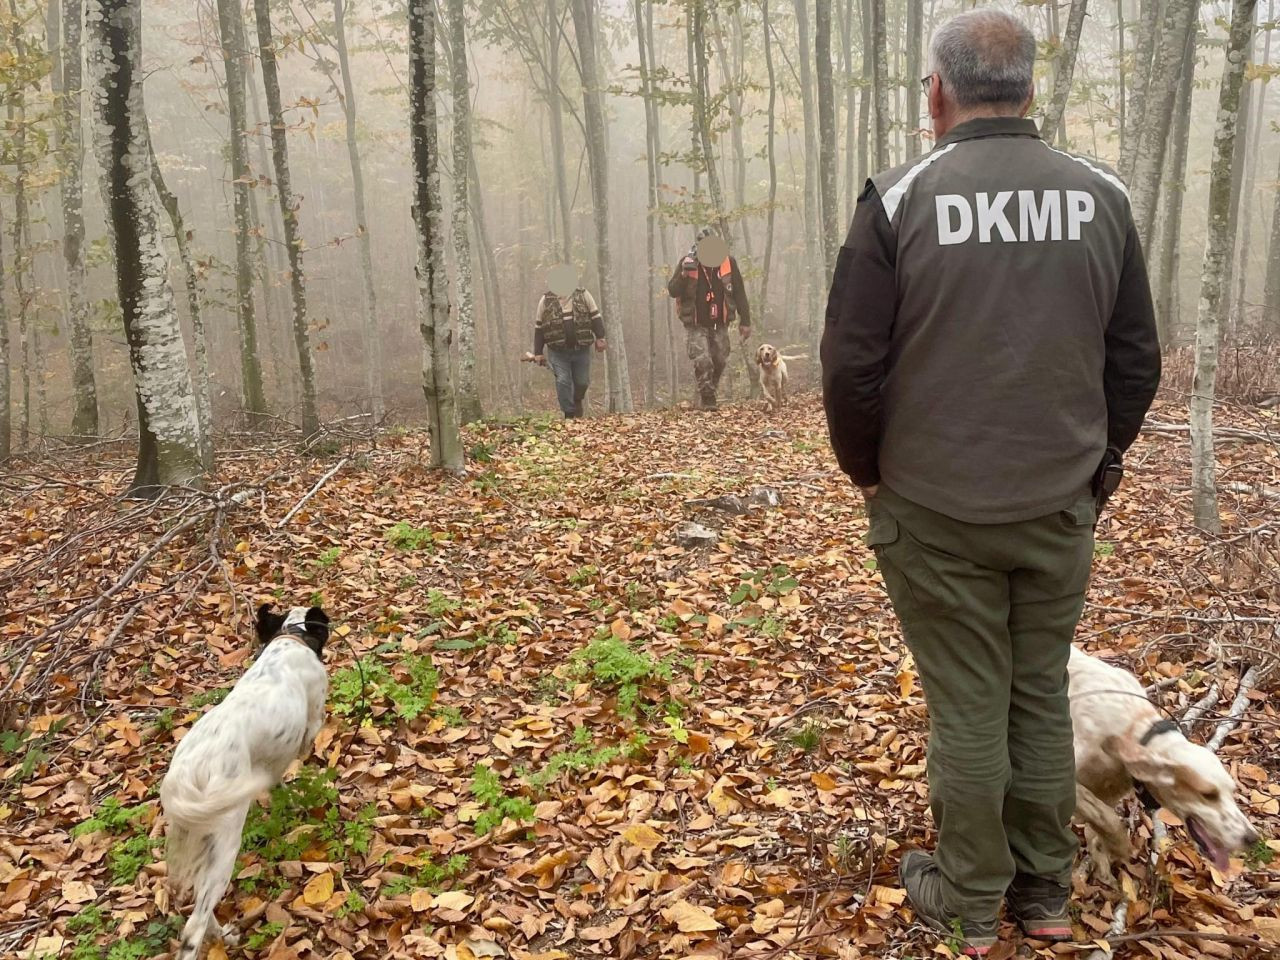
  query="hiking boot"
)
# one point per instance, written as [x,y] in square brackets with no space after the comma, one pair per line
[923,883]
[707,401]
[1039,907]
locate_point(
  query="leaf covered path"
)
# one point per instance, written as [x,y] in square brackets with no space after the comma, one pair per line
[568,734]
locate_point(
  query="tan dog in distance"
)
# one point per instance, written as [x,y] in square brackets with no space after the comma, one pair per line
[773,376]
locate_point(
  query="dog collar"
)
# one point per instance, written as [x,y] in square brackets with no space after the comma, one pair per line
[1157,728]
[299,630]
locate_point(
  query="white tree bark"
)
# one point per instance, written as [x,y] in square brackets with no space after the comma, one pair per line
[1153,136]
[1144,51]
[289,216]
[169,430]
[598,160]
[468,387]
[372,335]
[827,146]
[6,404]
[1066,65]
[67,80]
[433,283]
[1204,492]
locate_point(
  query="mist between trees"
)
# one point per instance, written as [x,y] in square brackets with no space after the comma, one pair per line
[276,196]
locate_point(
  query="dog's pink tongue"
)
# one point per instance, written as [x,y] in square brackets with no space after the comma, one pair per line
[1217,855]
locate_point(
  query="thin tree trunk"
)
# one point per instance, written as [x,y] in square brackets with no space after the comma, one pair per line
[1122,74]
[557,131]
[66,18]
[1063,71]
[200,344]
[773,161]
[850,110]
[865,94]
[1271,287]
[812,214]
[489,276]
[6,364]
[433,283]
[651,170]
[702,114]
[880,82]
[1180,17]
[17,116]
[1150,23]
[1257,99]
[1229,311]
[269,261]
[826,149]
[673,364]
[1170,260]
[915,30]
[730,84]
[467,386]
[231,30]
[372,335]
[289,215]
[169,429]
[597,159]
[1204,492]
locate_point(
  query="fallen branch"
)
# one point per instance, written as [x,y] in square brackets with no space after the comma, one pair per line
[1234,716]
[1235,940]
[1113,932]
[1201,706]
[1219,433]
[1255,489]
[312,492]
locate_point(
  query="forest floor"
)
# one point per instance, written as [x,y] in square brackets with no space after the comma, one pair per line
[569,735]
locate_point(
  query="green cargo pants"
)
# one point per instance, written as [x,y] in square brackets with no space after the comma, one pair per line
[988,611]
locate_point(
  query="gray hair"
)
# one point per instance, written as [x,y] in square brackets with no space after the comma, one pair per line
[985,58]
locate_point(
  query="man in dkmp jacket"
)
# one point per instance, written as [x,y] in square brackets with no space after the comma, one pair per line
[990,353]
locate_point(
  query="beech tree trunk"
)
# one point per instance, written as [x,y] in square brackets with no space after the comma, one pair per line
[651,170]
[1258,98]
[6,364]
[1148,41]
[468,387]
[1204,491]
[289,215]
[433,283]
[812,215]
[169,440]
[826,151]
[770,150]
[557,132]
[1064,70]
[597,159]
[66,22]
[200,343]
[915,29]
[1157,113]
[372,334]
[231,32]
[1169,257]
[880,82]
[702,114]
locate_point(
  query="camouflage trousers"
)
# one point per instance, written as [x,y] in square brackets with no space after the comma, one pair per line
[709,351]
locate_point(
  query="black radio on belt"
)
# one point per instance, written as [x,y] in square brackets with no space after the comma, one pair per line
[1108,476]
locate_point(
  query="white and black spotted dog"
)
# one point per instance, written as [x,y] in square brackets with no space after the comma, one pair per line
[237,751]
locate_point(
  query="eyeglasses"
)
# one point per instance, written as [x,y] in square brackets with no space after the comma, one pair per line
[925,82]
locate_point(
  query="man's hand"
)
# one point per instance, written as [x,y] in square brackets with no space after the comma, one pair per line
[602,345]
[869,492]
[540,359]
[744,330]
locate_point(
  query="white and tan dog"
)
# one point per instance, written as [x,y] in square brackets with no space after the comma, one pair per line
[238,750]
[1122,742]
[773,376]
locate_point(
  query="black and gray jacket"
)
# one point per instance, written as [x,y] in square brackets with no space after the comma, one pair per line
[990,329]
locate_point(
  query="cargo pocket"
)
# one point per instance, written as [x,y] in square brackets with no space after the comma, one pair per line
[1078,523]
[909,568]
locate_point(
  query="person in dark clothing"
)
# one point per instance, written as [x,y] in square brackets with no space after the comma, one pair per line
[710,293]
[990,346]
[565,328]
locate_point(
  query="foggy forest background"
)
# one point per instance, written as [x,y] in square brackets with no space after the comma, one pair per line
[715,111]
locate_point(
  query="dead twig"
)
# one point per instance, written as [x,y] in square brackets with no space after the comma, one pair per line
[312,492]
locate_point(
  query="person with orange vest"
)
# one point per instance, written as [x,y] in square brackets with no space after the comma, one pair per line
[708,287]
